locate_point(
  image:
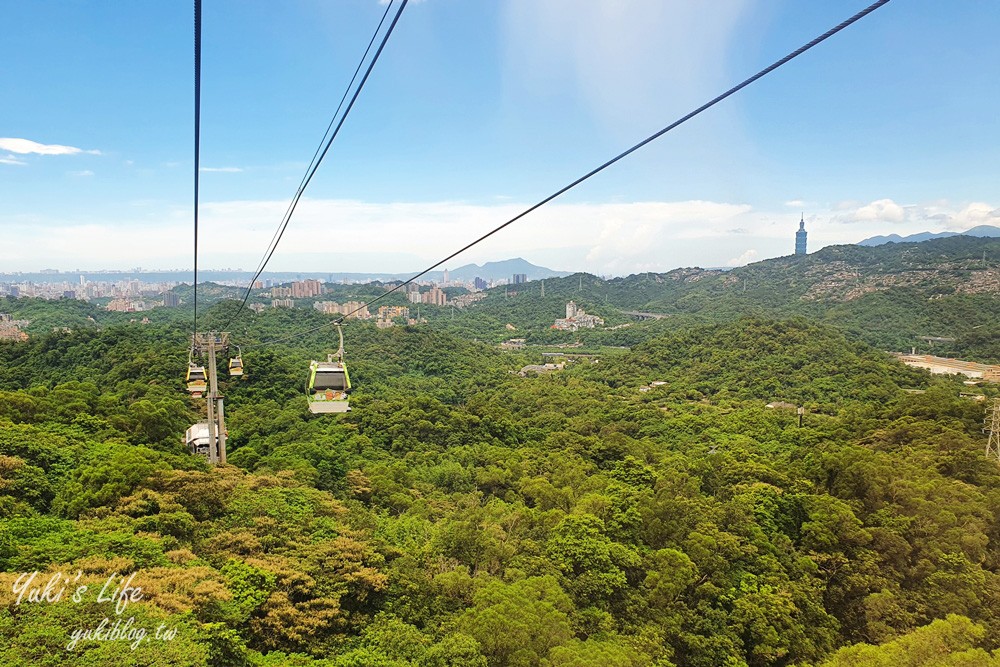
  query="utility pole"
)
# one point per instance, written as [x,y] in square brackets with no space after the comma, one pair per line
[991,425]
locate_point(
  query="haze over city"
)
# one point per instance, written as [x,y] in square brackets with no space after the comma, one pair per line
[477,110]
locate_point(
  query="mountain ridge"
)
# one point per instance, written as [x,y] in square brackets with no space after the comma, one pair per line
[978,231]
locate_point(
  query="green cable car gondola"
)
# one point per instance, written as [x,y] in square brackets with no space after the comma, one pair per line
[329,383]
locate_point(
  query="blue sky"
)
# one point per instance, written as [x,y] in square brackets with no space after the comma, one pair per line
[478,109]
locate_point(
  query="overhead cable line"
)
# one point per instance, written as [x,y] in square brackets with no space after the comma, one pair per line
[319,147]
[314,165]
[197,145]
[764,72]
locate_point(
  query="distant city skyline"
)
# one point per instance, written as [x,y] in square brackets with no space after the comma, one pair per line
[476,111]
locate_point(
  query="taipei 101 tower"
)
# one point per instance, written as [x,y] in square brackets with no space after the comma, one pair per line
[800,237]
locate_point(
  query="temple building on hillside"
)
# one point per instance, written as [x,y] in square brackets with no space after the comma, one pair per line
[577,318]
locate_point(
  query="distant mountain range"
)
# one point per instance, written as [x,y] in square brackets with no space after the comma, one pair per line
[980,231]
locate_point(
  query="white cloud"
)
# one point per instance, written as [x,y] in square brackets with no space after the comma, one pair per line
[936,216]
[744,259]
[225,170]
[10,159]
[349,235]
[883,210]
[26,146]
[82,173]
[975,214]
[795,203]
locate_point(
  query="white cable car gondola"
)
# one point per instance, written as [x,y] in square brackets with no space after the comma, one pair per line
[197,382]
[329,383]
[198,441]
[236,364]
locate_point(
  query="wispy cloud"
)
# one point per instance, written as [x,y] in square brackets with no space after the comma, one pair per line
[10,159]
[26,147]
[82,173]
[224,170]
[633,62]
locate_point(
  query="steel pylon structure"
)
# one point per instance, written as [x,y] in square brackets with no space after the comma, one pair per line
[209,344]
[991,425]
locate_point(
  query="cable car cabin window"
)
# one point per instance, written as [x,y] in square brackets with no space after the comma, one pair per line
[330,379]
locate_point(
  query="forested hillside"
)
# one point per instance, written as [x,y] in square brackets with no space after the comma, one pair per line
[891,296]
[462,515]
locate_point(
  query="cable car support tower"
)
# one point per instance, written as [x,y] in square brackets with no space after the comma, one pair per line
[208,344]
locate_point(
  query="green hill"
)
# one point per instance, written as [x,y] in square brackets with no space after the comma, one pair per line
[891,296]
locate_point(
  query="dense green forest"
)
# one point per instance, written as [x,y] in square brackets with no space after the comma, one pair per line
[642,508]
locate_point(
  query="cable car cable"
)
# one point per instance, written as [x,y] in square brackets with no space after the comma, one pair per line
[319,147]
[315,167]
[197,148]
[762,73]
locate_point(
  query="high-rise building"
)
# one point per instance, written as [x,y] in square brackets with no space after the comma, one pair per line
[304,289]
[519,278]
[435,296]
[356,310]
[570,310]
[800,237]
[480,283]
